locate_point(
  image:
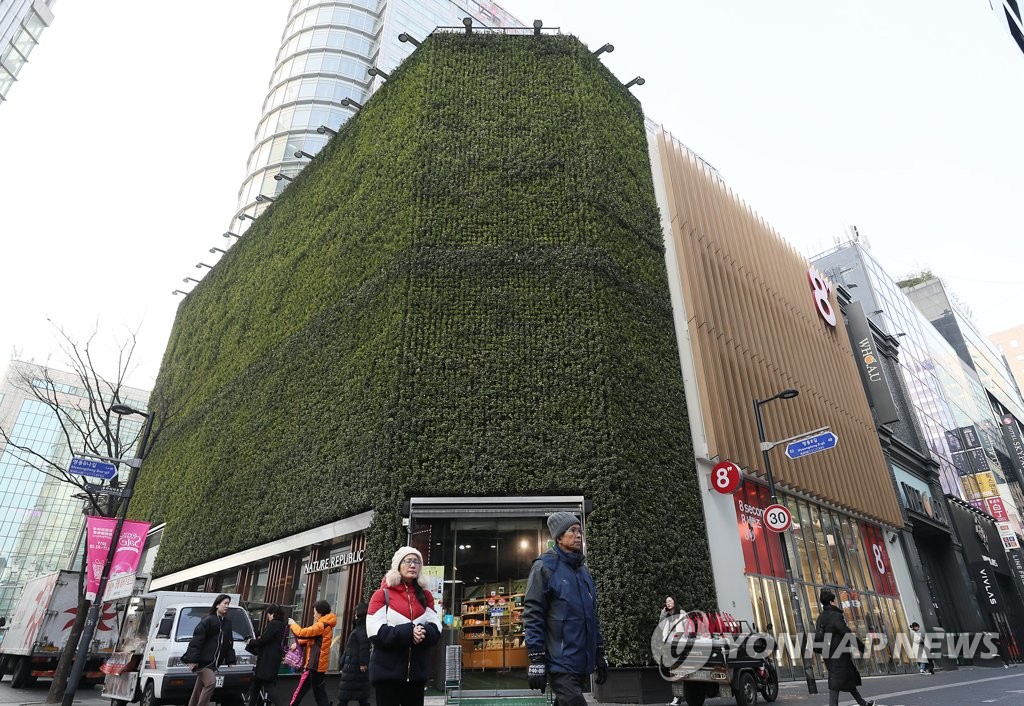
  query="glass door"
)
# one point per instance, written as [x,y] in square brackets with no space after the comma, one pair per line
[485,564]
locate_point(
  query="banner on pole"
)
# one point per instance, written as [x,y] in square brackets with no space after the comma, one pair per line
[99,531]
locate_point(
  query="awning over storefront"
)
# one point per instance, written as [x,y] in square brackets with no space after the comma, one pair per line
[324,533]
[495,507]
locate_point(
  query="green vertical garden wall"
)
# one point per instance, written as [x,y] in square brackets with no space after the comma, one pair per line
[464,293]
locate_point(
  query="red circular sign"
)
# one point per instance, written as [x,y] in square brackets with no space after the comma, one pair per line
[726,477]
[777,518]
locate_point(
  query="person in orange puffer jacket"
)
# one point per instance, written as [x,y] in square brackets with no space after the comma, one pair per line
[316,641]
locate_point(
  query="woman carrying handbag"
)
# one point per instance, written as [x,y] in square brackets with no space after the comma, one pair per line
[269,648]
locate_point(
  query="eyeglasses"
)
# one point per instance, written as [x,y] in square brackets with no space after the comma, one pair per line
[412,562]
[575,530]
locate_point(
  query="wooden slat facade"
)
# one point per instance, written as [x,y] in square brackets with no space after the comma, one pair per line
[754,330]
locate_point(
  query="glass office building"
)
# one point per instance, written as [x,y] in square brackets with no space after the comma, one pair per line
[326,52]
[953,408]
[41,520]
[21,23]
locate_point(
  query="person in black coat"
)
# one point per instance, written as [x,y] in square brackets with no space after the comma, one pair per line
[355,681]
[838,654]
[269,649]
[211,646]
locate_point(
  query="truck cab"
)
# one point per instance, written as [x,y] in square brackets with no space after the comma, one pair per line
[146,667]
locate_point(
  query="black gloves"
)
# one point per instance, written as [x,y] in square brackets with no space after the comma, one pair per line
[537,674]
[602,668]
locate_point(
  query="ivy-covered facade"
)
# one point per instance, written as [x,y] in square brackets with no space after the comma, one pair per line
[464,294]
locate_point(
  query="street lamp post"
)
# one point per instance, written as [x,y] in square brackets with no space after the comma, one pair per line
[82,655]
[812,687]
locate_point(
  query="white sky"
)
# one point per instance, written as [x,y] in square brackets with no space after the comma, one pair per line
[124,143]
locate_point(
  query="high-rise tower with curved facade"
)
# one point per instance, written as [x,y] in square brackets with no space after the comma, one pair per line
[327,50]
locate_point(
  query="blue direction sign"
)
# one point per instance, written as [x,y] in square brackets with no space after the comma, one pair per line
[93,469]
[812,445]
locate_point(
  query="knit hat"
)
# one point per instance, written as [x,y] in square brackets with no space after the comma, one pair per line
[826,596]
[559,522]
[402,553]
[394,576]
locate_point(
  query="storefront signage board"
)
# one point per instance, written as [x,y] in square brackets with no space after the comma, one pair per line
[726,477]
[987,486]
[877,554]
[335,561]
[997,508]
[871,372]
[821,291]
[1015,445]
[762,552]
[1007,535]
[435,584]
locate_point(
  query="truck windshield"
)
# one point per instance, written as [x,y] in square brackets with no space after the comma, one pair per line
[190,617]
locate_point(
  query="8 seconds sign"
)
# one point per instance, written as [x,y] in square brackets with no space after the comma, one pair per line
[777,518]
[726,477]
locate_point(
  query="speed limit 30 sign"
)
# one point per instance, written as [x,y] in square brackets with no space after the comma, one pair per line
[777,518]
[726,477]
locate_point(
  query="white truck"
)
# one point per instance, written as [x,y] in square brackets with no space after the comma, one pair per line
[146,665]
[39,629]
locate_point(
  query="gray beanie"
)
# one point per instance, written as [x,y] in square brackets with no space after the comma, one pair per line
[559,522]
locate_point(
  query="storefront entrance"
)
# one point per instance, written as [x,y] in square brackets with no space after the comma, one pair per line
[480,559]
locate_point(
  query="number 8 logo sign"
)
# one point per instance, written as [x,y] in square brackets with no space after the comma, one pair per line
[726,477]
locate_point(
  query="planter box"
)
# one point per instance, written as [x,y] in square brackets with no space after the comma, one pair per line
[633,685]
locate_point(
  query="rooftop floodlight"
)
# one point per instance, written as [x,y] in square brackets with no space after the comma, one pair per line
[406,37]
[178,291]
[299,154]
[537,24]
[190,279]
[374,71]
[216,250]
[282,175]
[324,130]
[201,265]
[638,81]
[606,48]
[467,22]
[243,216]
[349,102]
[264,198]
[229,234]
[876,312]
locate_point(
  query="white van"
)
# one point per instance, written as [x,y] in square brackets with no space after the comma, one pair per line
[146,666]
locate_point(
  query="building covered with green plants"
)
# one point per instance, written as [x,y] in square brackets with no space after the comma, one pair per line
[455,321]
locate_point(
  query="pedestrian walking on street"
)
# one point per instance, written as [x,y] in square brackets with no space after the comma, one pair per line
[671,614]
[403,626]
[210,647]
[838,657]
[316,642]
[355,663]
[924,662]
[268,648]
[563,639]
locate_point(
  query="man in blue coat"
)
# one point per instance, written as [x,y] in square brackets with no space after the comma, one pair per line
[563,639]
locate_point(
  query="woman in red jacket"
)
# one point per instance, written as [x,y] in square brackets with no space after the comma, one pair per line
[402,625]
[316,640]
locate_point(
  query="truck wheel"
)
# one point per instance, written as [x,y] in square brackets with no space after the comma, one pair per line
[746,689]
[22,677]
[770,692]
[693,693]
[148,697]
